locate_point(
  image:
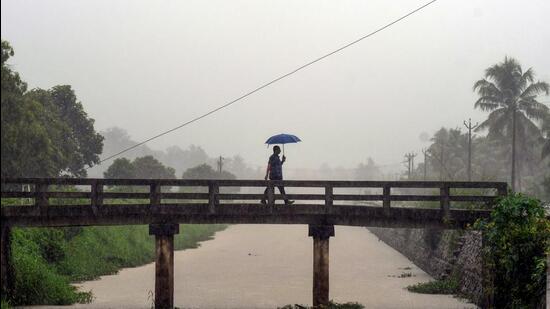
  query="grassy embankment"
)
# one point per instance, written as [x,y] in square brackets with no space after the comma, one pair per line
[47,260]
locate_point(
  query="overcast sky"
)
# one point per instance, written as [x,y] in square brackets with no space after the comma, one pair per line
[148,66]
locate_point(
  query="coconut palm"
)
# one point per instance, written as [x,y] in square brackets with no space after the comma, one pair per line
[510,95]
[546,131]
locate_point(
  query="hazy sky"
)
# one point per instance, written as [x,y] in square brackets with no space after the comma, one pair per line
[148,66]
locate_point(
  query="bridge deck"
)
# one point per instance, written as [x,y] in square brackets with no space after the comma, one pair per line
[322,204]
[149,201]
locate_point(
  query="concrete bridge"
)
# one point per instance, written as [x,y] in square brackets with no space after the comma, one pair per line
[163,204]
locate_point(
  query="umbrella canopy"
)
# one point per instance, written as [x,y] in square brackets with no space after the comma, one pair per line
[283,139]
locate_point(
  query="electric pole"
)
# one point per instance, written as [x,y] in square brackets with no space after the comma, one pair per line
[409,159]
[220,164]
[469,126]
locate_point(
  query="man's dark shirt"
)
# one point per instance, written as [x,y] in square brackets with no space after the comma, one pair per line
[276,171]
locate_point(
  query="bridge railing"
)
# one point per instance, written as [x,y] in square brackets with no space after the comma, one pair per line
[101,192]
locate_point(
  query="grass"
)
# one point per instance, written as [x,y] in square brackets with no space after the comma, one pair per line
[4,304]
[47,260]
[446,286]
[331,305]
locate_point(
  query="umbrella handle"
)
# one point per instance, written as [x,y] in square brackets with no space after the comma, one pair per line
[283,149]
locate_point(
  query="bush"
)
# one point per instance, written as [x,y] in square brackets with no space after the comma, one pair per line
[36,282]
[447,286]
[517,239]
[46,260]
[331,305]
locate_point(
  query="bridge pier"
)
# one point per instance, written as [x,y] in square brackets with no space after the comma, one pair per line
[321,235]
[164,264]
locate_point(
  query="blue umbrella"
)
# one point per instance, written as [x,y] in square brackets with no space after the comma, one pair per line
[283,139]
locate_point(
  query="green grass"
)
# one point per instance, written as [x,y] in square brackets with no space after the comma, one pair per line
[331,305]
[447,286]
[47,260]
[4,304]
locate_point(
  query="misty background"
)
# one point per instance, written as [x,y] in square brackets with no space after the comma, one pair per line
[145,67]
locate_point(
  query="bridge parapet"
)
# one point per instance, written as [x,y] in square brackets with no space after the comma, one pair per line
[87,201]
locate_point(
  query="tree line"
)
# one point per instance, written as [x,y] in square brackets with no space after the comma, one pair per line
[516,147]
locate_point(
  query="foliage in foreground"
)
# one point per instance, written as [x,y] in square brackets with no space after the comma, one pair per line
[331,305]
[517,238]
[446,286]
[4,304]
[46,260]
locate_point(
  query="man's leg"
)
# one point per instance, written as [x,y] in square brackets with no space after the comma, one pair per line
[283,193]
[263,201]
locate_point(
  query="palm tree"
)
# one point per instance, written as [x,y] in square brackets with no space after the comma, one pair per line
[546,131]
[510,95]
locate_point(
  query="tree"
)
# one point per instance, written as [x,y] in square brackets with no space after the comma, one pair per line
[44,133]
[205,171]
[368,171]
[546,132]
[509,94]
[120,168]
[151,168]
[84,143]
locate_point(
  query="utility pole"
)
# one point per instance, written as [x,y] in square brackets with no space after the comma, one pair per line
[469,126]
[409,158]
[220,164]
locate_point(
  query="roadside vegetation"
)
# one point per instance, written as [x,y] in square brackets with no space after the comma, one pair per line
[47,260]
[518,240]
[331,305]
[517,237]
[446,286]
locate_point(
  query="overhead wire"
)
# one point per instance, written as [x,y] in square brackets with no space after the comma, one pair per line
[267,84]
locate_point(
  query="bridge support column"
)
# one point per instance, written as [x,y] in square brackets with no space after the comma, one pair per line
[321,235]
[164,264]
[5,262]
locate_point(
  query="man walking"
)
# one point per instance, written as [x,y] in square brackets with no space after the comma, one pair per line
[275,172]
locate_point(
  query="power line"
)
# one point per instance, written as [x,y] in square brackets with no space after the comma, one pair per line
[268,83]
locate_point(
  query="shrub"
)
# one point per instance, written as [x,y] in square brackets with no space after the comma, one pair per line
[517,238]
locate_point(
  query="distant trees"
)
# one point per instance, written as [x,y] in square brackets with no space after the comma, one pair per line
[546,137]
[121,168]
[509,94]
[368,171]
[146,167]
[205,171]
[43,132]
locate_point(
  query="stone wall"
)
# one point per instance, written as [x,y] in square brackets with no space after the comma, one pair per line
[441,253]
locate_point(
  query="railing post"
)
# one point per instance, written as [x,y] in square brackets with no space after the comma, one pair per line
[97,196]
[386,201]
[41,199]
[502,190]
[445,203]
[154,195]
[321,235]
[213,191]
[329,199]
[6,261]
[270,193]
[164,263]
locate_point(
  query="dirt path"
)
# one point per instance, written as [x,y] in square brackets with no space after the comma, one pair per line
[265,266]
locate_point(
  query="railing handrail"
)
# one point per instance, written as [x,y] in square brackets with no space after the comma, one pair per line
[259,183]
